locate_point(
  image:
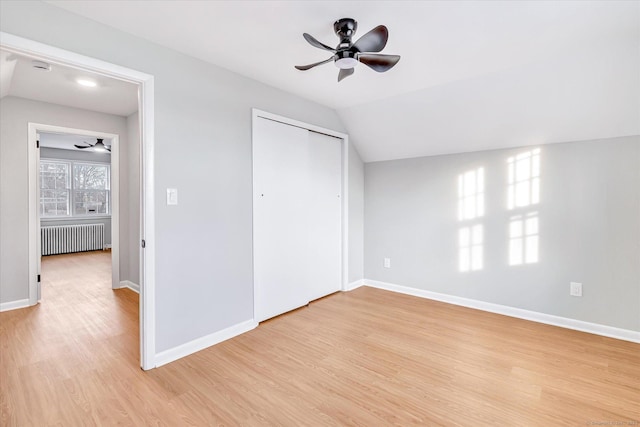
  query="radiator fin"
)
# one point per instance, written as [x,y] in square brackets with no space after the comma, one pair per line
[64,239]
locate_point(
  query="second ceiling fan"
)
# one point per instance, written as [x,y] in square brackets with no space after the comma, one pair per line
[347,54]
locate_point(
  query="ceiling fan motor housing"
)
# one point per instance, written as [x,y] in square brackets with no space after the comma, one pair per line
[345,28]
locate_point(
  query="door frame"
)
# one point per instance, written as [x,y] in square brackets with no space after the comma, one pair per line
[35,240]
[344,218]
[145,82]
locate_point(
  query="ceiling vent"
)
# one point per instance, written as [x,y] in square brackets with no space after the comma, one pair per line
[41,65]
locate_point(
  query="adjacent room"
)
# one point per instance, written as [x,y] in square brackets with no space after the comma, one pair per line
[319,213]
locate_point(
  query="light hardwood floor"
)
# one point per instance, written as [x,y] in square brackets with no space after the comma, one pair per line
[367,357]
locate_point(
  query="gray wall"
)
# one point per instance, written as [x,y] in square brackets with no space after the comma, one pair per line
[204,275]
[589,215]
[15,114]
[356,216]
[55,153]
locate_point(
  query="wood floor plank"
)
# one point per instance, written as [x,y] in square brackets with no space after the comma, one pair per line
[363,358]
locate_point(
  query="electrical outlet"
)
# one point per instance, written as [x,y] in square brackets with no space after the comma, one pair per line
[387,263]
[575,289]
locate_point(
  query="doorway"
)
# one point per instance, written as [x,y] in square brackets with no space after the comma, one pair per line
[78,194]
[42,52]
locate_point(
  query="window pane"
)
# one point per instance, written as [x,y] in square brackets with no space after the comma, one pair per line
[90,202]
[88,176]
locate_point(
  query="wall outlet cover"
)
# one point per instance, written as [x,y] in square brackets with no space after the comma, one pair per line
[387,263]
[575,289]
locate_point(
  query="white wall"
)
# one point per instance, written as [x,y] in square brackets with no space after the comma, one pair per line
[204,277]
[589,217]
[15,115]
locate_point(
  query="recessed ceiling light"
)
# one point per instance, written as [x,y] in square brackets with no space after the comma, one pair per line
[86,82]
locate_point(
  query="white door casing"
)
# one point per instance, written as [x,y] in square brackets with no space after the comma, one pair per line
[37,50]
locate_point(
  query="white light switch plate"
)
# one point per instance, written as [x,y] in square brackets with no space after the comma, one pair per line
[172,196]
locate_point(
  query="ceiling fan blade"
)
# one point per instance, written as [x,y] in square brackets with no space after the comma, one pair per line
[344,73]
[378,62]
[82,147]
[315,43]
[374,41]
[307,67]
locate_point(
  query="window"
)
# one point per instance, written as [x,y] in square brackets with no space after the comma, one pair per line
[55,185]
[70,189]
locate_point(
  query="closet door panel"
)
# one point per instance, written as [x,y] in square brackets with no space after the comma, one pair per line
[280,177]
[324,215]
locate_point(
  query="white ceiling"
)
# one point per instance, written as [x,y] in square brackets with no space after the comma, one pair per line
[473,75]
[19,78]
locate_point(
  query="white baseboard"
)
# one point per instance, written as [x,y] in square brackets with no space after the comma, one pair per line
[106,246]
[196,345]
[354,285]
[13,305]
[549,319]
[129,284]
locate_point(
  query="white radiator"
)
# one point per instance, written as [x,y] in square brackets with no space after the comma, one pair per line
[63,239]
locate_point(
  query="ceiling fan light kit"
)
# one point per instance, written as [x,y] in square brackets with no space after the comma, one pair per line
[98,147]
[347,54]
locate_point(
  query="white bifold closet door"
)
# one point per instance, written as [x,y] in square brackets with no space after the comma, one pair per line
[296,217]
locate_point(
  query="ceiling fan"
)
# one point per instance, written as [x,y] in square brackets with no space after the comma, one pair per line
[98,146]
[347,54]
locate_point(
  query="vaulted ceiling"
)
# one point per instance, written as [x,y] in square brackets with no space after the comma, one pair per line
[473,75]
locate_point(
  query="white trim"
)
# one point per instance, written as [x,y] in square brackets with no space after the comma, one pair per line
[534,316]
[255,113]
[198,344]
[147,270]
[130,285]
[22,46]
[14,305]
[74,218]
[34,198]
[354,285]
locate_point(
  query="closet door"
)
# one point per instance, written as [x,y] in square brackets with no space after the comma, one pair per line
[280,217]
[324,215]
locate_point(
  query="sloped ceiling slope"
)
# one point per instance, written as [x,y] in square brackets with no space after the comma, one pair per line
[473,75]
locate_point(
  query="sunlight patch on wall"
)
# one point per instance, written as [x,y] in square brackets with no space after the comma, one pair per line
[523,239]
[470,208]
[524,179]
[470,248]
[471,194]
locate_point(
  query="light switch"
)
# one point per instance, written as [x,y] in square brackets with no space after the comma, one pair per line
[172,196]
